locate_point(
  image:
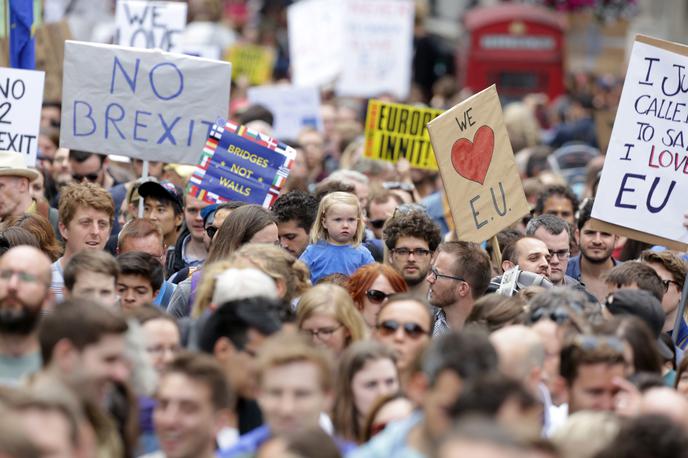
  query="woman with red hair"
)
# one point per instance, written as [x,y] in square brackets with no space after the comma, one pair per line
[371,285]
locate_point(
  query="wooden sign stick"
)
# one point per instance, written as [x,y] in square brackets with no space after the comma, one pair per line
[496,252]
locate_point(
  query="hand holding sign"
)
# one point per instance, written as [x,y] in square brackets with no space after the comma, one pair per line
[478,168]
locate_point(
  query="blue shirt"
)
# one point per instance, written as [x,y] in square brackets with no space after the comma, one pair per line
[392,442]
[324,259]
[574,268]
[162,300]
[249,444]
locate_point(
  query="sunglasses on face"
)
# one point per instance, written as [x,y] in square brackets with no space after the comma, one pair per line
[377,223]
[390,327]
[376,297]
[559,315]
[211,231]
[92,177]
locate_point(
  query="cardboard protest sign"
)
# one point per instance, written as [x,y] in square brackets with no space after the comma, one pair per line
[604,122]
[477,165]
[393,131]
[377,52]
[50,40]
[316,34]
[239,163]
[150,24]
[252,62]
[21,96]
[293,108]
[140,103]
[643,184]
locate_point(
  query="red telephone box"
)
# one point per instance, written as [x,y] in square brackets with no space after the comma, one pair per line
[517,47]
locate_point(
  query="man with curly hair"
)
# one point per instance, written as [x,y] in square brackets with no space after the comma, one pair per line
[86,214]
[295,213]
[411,238]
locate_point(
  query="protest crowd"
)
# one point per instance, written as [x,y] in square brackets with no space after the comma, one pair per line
[342,312]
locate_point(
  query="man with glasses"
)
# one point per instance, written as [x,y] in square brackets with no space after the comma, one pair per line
[459,275]
[24,295]
[411,238]
[671,269]
[556,233]
[404,324]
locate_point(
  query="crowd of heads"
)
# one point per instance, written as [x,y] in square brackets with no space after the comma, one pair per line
[346,318]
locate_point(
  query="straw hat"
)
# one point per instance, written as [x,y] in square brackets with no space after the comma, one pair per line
[14,164]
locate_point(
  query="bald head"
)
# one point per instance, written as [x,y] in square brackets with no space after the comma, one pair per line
[666,402]
[27,256]
[521,353]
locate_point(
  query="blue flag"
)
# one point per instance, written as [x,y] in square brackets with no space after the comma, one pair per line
[22,42]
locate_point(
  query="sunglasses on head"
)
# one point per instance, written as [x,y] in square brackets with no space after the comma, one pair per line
[389,327]
[92,177]
[377,297]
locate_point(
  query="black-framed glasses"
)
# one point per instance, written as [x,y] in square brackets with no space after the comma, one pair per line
[376,296]
[561,254]
[390,327]
[377,223]
[323,333]
[406,252]
[436,274]
[668,283]
[211,231]
[91,177]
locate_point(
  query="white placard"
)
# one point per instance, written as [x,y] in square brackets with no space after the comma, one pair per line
[315,41]
[21,96]
[378,48]
[204,51]
[644,180]
[146,104]
[150,24]
[293,108]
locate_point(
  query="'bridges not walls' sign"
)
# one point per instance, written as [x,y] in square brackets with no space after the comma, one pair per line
[146,104]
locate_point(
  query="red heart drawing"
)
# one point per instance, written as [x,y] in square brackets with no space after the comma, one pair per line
[471,159]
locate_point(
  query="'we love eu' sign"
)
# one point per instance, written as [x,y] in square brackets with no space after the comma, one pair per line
[477,164]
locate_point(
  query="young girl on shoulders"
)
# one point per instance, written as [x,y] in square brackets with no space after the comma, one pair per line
[335,239]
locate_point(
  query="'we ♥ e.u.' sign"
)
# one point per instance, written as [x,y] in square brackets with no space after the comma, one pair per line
[477,164]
